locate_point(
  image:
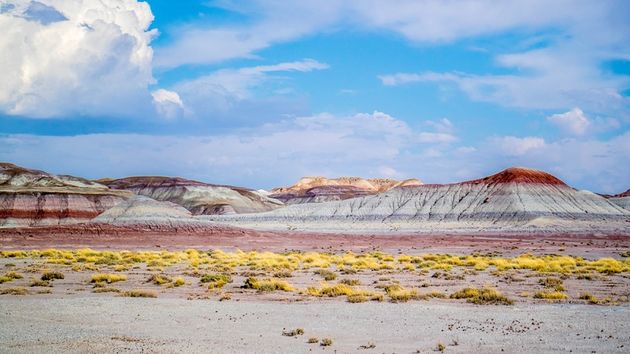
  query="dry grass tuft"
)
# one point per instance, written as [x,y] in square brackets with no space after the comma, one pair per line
[106,290]
[553,283]
[14,291]
[326,274]
[107,278]
[550,295]
[52,275]
[215,281]
[483,296]
[139,293]
[294,332]
[267,285]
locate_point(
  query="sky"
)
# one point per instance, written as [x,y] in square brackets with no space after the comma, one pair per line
[258,93]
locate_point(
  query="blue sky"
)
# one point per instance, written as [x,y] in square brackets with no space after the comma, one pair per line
[259,93]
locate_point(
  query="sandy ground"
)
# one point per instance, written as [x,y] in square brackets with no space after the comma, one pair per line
[75,325]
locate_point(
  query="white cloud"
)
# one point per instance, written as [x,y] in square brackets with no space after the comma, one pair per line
[426,137]
[276,22]
[167,103]
[558,69]
[443,125]
[224,89]
[267,156]
[75,57]
[515,146]
[277,154]
[419,21]
[573,122]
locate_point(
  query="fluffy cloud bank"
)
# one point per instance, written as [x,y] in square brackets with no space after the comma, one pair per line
[80,57]
[365,144]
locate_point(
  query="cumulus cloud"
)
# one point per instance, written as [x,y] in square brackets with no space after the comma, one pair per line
[515,146]
[267,156]
[573,122]
[367,144]
[167,103]
[75,57]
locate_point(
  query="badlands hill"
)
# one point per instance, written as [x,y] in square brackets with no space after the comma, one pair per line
[198,197]
[621,199]
[322,189]
[511,200]
[32,197]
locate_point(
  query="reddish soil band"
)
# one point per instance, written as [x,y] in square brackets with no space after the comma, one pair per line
[101,236]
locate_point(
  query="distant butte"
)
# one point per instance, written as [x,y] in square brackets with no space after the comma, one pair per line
[322,189]
[520,175]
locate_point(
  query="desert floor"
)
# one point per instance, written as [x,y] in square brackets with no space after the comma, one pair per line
[375,293]
[71,325]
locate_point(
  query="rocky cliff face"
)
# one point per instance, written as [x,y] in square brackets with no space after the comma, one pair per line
[516,198]
[322,189]
[197,197]
[33,198]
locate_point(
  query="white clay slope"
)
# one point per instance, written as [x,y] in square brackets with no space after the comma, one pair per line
[514,199]
[197,197]
[143,210]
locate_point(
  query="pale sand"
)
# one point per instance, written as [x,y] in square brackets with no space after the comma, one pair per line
[70,325]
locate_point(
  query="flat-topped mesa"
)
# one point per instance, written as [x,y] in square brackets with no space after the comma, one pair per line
[33,198]
[321,189]
[198,197]
[519,175]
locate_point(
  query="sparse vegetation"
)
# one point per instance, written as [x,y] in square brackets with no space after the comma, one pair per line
[347,262]
[107,278]
[350,282]
[398,293]
[591,299]
[215,281]
[14,291]
[326,342]
[370,345]
[10,276]
[550,295]
[52,275]
[553,283]
[139,293]
[294,332]
[266,272]
[106,290]
[483,296]
[39,282]
[267,285]
[441,347]
[313,340]
[326,274]
[159,279]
